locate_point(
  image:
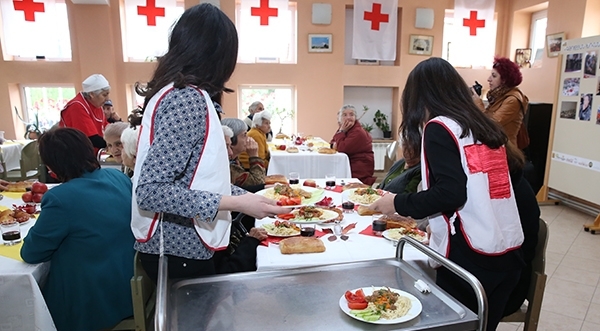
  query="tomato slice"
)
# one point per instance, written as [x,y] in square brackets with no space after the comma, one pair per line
[357,305]
[359,293]
[295,201]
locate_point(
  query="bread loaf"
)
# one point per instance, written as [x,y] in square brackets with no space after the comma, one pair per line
[274,179]
[325,150]
[364,211]
[300,245]
[292,149]
[350,186]
[18,187]
[397,221]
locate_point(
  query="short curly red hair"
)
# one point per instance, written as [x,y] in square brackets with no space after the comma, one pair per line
[509,71]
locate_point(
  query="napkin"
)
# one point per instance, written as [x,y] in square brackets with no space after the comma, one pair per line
[337,188]
[13,252]
[13,195]
[276,240]
[368,231]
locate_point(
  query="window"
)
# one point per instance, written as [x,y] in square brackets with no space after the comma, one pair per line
[45,103]
[275,43]
[537,36]
[278,100]
[146,33]
[477,56]
[39,30]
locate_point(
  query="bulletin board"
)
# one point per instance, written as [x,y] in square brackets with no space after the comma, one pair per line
[575,155]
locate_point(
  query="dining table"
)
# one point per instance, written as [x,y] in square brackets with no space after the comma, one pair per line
[22,305]
[307,161]
[11,154]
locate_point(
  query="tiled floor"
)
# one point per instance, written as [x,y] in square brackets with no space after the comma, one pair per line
[572,296]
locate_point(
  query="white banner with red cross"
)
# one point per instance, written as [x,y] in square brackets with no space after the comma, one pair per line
[35,28]
[262,24]
[374,30]
[148,24]
[474,38]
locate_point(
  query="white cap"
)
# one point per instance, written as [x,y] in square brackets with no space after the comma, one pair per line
[94,83]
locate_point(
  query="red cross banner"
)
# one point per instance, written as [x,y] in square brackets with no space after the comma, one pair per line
[36,22]
[261,24]
[374,30]
[474,33]
[147,24]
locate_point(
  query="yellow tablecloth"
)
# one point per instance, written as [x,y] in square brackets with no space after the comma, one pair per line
[13,252]
[12,195]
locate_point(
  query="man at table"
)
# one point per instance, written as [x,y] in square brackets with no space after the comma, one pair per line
[84,112]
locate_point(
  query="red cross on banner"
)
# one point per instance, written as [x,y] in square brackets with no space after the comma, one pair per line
[492,162]
[473,23]
[29,8]
[376,17]
[264,12]
[151,12]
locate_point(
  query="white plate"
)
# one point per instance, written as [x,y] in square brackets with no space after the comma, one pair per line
[328,215]
[386,235]
[317,195]
[348,195]
[277,235]
[413,312]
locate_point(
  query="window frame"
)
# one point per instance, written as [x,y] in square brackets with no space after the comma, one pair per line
[24,113]
[242,111]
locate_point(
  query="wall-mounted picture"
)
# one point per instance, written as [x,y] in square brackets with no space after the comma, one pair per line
[420,45]
[568,109]
[365,62]
[598,116]
[319,43]
[590,64]
[585,107]
[523,57]
[571,86]
[574,62]
[554,43]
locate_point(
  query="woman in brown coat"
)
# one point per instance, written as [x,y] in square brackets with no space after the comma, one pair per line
[507,104]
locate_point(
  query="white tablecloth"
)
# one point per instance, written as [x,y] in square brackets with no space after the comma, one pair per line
[309,164]
[358,247]
[11,153]
[22,306]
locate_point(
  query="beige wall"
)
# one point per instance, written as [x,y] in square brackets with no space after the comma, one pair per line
[319,78]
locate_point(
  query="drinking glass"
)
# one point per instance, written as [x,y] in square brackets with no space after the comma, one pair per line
[330,181]
[294,178]
[11,232]
[379,224]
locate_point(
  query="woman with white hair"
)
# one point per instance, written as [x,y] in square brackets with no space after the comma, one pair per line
[353,140]
[240,142]
[84,112]
[129,143]
[261,125]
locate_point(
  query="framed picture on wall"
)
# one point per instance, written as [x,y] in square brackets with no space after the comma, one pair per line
[523,57]
[554,43]
[320,43]
[420,45]
[365,62]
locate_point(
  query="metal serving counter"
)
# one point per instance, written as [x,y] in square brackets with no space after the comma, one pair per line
[308,299]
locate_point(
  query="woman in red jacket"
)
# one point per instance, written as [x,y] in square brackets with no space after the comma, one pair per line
[353,140]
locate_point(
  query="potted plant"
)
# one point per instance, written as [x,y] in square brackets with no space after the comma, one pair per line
[381,120]
[367,127]
[32,130]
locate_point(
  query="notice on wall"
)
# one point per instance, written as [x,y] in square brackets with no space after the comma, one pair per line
[575,160]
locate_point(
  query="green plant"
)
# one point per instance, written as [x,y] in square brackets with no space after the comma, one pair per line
[367,127]
[283,114]
[30,126]
[381,120]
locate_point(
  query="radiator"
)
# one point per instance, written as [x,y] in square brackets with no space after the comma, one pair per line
[379,151]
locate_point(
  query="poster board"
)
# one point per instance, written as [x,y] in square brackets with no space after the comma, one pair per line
[575,155]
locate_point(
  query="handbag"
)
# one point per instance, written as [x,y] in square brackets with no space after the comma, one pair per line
[522,135]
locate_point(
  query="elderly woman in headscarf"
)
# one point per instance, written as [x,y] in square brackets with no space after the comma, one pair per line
[261,126]
[240,142]
[84,112]
[507,104]
[353,140]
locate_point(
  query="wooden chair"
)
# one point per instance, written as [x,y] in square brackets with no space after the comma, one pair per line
[530,312]
[29,164]
[143,294]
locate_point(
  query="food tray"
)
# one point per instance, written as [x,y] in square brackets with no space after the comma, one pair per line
[304,299]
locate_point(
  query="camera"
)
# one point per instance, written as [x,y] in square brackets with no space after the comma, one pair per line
[477,87]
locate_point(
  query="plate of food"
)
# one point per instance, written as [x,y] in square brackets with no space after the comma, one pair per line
[380,305]
[310,215]
[364,196]
[282,229]
[397,233]
[293,195]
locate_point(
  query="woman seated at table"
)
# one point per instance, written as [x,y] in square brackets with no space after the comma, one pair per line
[240,143]
[405,174]
[129,151]
[114,146]
[84,231]
[467,193]
[262,126]
[353,140]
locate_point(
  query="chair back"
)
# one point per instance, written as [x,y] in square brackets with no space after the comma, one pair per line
[539,260]
[30,158]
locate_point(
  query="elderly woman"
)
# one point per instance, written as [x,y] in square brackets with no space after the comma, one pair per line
[129,143]
[240,143]
[114,146]
[90,247]
[353,140]
[261,126]
[507,104]
[84,112]
[255,107]
[405,174]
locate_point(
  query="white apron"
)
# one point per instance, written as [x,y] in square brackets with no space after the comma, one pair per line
[211,174]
